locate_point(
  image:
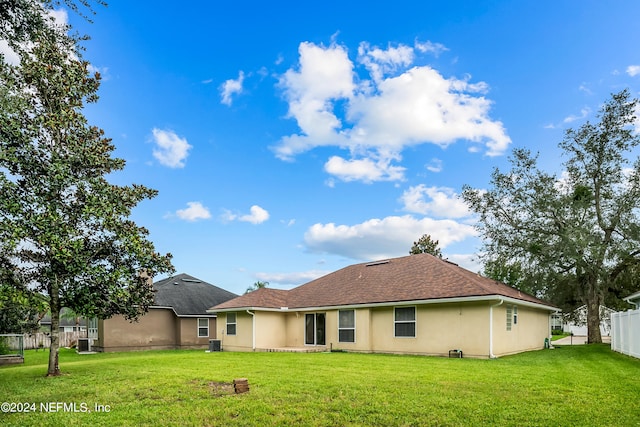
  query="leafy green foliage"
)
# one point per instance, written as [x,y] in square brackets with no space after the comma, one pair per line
[257,285]
[426,245]
[573,239]
[65,229]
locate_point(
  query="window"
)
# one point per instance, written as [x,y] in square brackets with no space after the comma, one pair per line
[405,321]
[509,317]
[515,314]
[203,327]
[231,323]
[346,326]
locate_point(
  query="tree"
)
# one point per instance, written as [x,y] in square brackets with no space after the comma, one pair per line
[65,230]
[578,236]
[257,285]
[20,312]
[425,245]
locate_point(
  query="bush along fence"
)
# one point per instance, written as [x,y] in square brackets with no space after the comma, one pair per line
[625,332]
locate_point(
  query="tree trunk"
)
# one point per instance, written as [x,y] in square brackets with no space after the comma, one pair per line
[593,321]
[54,305]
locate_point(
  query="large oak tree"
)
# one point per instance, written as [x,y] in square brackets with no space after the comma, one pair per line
[65,230]
[575,236]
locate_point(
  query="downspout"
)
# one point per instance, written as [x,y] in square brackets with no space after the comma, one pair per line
[491,355]
[253,330]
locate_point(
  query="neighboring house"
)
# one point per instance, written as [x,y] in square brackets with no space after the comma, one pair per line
[417,304]
[178,318]
[67,323]
[576,322]
[634,299]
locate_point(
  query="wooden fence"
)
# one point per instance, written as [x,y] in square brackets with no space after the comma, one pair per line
[625,332]
[42,340]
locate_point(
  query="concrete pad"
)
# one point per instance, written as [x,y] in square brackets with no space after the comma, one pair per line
[577,340]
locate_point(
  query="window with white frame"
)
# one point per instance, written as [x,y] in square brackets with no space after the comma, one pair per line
[346,326]
[509,317]
[203,327]
[231,323]
[515,314]
[405,322]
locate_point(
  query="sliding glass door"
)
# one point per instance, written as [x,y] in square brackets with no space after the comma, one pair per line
[314,329]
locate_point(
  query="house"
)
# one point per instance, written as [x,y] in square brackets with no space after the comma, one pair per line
[68,322]
[575,322]
[178,318]
[417,304]
[634,299]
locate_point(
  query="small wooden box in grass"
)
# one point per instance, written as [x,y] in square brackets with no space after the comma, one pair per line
[241,385]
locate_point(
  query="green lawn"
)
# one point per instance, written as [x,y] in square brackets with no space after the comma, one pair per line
[566,386]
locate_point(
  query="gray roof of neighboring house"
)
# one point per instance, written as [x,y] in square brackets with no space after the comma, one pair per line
[411,278]
[188,295]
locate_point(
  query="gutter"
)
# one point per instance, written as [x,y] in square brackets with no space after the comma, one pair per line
[492,297]
[491,355]
[253,330]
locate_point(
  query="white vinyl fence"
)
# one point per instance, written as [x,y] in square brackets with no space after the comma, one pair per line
[625,332]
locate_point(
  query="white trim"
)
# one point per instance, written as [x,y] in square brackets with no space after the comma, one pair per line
[347,329]
[226,324]
[198,327]
[415,321]
[491,355]
[212,315]
[396,304]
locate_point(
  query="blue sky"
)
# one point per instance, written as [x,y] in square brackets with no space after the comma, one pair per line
[290,139]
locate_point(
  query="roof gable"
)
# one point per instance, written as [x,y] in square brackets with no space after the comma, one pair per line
[188,295]
[411,278]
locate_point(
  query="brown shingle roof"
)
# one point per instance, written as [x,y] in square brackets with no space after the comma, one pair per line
[410,278]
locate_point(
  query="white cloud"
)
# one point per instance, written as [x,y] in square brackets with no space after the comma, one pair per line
[291,279]
[382,238]
[256,215]
[381,62]
[583,114]
[443,202]
[435,166]
[376,119]
[194,212]
[10,57]
[231,87]
[633,70]
[171,150]
[430,47]
[366,170]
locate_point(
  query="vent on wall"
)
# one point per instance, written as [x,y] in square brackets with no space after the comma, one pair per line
[377,263]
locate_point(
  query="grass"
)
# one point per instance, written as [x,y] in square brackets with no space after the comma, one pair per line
[557,336]
[567,386]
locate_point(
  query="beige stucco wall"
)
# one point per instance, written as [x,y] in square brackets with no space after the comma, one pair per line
[188,337]
[243,340]
[158,329]
[528,334]
[439,328]
[270,329]
[155,330]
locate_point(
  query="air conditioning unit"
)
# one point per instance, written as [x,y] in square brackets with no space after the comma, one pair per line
[215,345]
[84,345]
